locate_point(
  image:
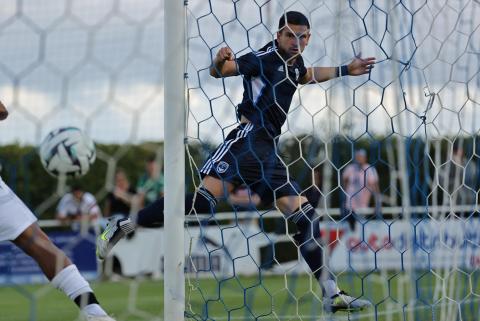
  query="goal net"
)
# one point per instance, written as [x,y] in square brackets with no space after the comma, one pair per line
[412,249]
[98,65]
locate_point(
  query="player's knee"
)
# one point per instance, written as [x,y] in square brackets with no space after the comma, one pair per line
[35,243]
[216,187]
[203,202]
[31,236]
[290,204]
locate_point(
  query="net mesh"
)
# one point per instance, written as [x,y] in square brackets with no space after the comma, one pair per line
[415,118]
[98,66]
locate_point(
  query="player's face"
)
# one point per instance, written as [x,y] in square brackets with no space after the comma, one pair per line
[292,39]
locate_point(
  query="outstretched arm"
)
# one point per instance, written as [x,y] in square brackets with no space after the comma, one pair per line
[358,66]
[3,111]
[224,64]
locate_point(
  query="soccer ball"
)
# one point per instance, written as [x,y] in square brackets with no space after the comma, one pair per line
[67,151]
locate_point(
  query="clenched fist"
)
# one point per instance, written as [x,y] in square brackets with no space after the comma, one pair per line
[225,54]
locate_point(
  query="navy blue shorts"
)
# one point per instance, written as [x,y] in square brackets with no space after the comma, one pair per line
[248,156]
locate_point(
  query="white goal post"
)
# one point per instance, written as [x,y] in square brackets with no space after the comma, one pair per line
[174,104]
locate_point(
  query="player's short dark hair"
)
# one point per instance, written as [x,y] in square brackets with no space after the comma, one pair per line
[294,18]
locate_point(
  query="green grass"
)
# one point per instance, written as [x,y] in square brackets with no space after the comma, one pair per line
[272,298]
[123,299]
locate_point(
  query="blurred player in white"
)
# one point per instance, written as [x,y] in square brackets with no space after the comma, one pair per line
[19,225]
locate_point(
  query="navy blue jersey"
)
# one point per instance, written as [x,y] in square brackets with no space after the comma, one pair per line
[269,85]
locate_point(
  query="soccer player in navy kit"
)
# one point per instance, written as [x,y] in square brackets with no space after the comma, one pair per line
[248,155]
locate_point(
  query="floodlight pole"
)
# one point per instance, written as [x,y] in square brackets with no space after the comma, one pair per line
[174,157]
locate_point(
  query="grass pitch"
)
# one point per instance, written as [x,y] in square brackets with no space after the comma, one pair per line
[292,298]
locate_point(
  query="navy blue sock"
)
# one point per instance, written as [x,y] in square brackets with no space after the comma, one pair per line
[152,215]
[308,236]
[85,299]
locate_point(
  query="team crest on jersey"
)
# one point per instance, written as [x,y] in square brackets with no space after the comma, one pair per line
[222,167]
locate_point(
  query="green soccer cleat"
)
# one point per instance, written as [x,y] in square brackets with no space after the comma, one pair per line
[344,302]
[116,229]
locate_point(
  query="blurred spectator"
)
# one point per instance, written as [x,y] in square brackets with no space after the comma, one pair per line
[78,207]
[458,180]
[360,181]
[119,200]
[150,184]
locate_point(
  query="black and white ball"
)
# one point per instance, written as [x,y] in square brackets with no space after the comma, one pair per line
[67,151]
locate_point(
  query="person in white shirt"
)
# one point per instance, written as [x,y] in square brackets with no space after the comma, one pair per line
[78,206]
[360,182]
[19,225]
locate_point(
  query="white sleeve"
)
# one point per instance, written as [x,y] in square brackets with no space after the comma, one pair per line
[372,175]
[89,205]
[347,173]
[62,207]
